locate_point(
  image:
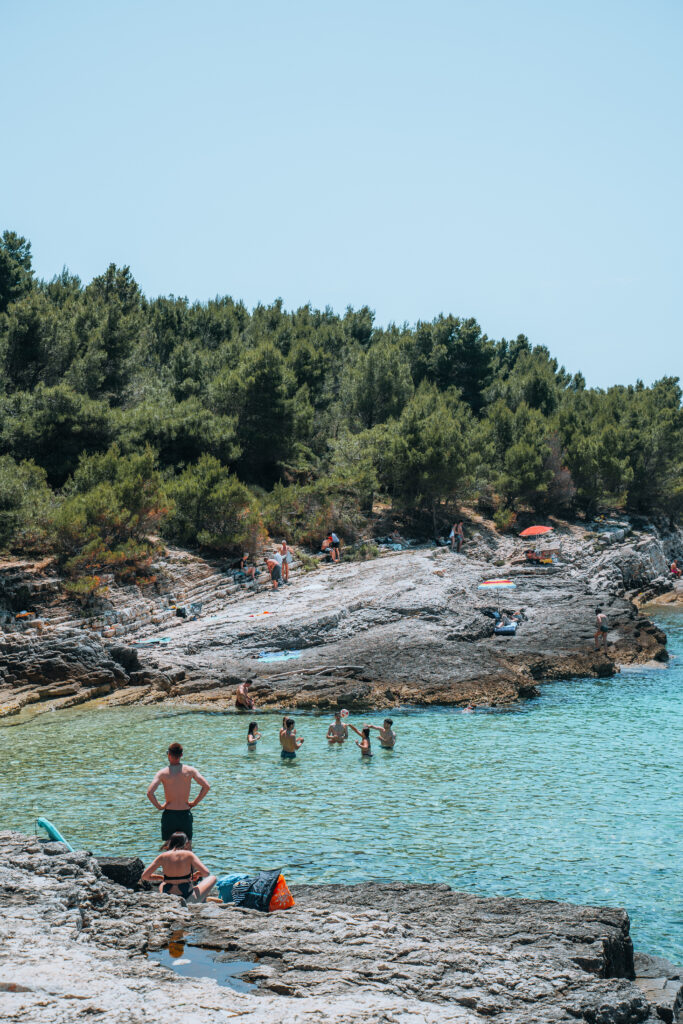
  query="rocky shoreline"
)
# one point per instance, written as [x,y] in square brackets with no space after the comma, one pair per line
[410,627]
[75,945]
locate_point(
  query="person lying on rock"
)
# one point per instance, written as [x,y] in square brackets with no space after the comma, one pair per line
[387,736]
[289,741]
[178,869]
[601,629]
[243,699]
[364,744]
[177,782]
[337,731]
[248,571]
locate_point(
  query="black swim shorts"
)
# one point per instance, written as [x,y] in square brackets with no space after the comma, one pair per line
[175,821]
[276,573]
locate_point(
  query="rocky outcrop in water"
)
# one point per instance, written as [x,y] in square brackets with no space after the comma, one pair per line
[409,627]
[74,946]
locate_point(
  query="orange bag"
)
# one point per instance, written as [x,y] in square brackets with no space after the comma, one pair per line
[282,898]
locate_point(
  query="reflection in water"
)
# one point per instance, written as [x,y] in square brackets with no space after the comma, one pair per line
[192,961]
[574,796]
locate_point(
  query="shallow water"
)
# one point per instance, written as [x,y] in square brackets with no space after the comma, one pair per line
[192,961]
[575,795]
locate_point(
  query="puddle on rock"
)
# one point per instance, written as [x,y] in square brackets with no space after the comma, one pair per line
[197,962]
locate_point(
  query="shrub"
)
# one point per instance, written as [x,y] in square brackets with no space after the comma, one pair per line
[304,514]
[110,508]
[25,505]
[214,510]
[505,519]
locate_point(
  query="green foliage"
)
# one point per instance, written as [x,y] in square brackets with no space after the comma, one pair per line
[305,514]
[320,414]
[424,457]
[111,508]
[54,426]
[505,519]
[25,505]
[214,509]
[16,273]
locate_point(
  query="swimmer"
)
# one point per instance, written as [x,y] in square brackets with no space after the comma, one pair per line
[253,736]
[289,741]
[468,710]
[364,744]
[337,731]
[387,736]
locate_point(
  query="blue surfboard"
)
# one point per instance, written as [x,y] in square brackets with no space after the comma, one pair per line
[53,833]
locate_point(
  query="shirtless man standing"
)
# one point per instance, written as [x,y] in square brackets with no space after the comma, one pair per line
[337,731]
[177,807]
[289,741]
[387,736]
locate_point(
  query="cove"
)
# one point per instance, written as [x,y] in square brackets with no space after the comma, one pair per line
[573,796]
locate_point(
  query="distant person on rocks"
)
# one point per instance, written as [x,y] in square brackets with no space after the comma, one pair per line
[243,699]
[337,731]
[289,741]
[249,571]
[601,629]
[286,554]
[253,735]
[180,868]
[177,808]
[387,736]
[675,571]
[459,537]
[364,744]
[452,535]
[275,570]
[332,544]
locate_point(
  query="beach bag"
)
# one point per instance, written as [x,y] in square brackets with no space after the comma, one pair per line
[226,884]
[282,898]
[255,892]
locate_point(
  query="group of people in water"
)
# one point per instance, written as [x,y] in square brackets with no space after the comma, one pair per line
[337,734]
[177,870]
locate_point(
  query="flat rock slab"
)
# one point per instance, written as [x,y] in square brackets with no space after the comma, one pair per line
[74,950]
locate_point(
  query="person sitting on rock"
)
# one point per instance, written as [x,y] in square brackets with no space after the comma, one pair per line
[289,741]
[246,570]
[602,628]
[179,869]
[364,744]
[243,699]
[675,571]
[337,731]
[331,546]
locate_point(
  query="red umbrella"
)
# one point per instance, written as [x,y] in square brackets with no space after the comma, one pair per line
[536,531]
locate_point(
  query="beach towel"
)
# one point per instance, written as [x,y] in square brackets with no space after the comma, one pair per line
[278,655]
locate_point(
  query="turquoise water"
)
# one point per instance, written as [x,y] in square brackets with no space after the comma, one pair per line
[575,795]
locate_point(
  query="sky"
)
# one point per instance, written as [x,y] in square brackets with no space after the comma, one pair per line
[519,162]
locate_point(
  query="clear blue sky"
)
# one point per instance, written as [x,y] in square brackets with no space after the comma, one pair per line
[517,162]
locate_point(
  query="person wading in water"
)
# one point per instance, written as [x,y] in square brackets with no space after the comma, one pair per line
[177,779]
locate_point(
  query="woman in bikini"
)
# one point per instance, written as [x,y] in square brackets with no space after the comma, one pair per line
[253,735]
[178,868]
[364,744]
